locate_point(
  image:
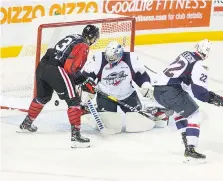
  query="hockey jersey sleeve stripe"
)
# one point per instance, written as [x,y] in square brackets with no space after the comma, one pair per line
[200,93]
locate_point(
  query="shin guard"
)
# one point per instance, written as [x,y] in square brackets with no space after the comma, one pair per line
[74,115]
[34,109]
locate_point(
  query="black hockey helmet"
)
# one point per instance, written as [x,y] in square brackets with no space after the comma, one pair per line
[90,34]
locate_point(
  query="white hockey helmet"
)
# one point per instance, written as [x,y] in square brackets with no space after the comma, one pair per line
[203,48]
[113,53]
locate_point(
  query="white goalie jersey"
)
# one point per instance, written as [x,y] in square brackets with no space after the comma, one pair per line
[117,80]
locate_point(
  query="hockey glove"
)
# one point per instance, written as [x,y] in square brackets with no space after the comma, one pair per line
[88,86]
[215,99]
[147,91]
[78,77]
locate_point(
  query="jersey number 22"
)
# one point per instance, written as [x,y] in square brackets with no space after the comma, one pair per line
[177,65]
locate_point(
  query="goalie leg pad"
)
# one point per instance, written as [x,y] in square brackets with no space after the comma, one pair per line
[138,123]
[111,121]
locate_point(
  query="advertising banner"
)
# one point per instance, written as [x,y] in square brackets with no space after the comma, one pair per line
[162,14]
[218,6]
[14,14]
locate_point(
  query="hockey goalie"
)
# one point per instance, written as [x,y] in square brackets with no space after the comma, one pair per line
[117,73]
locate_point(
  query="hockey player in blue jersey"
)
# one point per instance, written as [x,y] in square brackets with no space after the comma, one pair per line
[187,69]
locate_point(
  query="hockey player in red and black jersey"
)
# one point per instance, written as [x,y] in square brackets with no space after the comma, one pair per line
[59,70]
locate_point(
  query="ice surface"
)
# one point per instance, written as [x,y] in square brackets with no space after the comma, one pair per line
[156,155]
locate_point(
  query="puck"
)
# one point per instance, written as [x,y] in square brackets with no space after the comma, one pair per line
[56,102]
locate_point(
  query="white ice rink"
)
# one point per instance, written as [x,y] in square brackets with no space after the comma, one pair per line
[156,155]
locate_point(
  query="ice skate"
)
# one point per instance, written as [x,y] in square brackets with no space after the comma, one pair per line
[192,156]
[77,140]
[27,126]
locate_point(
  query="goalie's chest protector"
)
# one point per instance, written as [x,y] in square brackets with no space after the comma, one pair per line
[117,80]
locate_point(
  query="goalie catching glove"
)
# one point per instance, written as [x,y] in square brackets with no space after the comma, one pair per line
[147,90]
[215,99]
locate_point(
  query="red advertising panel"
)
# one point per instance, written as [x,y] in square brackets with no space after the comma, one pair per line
[161,14]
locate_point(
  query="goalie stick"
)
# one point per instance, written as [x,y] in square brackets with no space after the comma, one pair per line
[95,115]
[133,109]
[105,131]
[150,69]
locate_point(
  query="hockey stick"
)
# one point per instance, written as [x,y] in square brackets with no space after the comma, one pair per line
[133,109]
[105,131]
[96,116]
[150,69]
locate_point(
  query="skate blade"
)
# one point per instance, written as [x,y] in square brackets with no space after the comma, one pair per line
[24,131]
[80,145]
[191,160]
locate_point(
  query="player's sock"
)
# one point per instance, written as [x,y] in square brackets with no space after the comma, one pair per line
[181,123]
[34,109]
[74,115]
[192,133]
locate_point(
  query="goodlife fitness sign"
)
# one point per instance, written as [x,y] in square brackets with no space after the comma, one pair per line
[161,14]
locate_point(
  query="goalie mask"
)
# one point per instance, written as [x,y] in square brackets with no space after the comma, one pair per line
[90,34]
[203,48]
[113,53]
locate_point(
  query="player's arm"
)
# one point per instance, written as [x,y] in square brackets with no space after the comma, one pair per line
[93,66]
[140,75]
[75,62]
[77,58]
[91,71]
[199,86]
